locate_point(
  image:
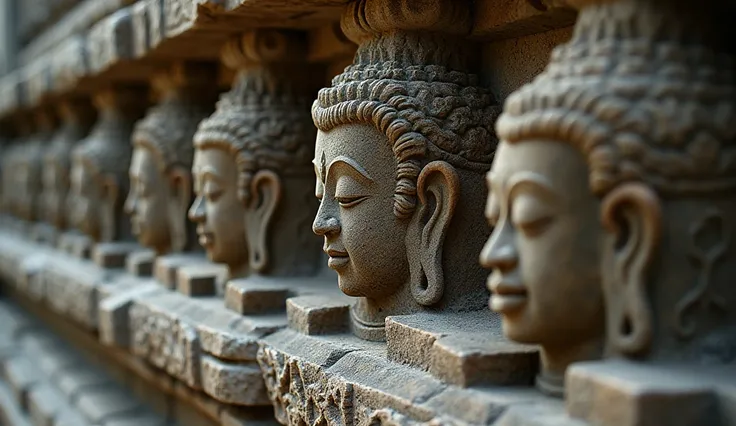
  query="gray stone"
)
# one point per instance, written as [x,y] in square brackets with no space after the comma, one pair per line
[314,315]
[230,383]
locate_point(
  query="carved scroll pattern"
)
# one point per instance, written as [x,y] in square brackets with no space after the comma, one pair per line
[705,254]
[302,394]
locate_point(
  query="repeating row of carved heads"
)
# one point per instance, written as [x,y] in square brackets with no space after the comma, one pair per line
[259,136]
[402,133]
[160,170]
[620,158]
[99,176]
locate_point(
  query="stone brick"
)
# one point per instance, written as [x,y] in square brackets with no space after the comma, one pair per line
[314,315]
[233,383]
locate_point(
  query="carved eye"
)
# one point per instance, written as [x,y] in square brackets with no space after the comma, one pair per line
[530,215]
[347,202]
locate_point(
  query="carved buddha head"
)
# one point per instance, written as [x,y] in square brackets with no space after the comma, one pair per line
[75,116]
[28,172]
[405,135]
[612,193]
[251,163]
[99,175]
[160,169]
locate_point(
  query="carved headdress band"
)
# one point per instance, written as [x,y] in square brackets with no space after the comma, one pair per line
[639,105]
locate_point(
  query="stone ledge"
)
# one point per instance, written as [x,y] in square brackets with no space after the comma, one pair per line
[620,393]
[502,19]
[459,348]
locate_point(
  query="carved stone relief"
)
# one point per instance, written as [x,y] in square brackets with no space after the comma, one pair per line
[620,159]
[403,132]
[99,174]
[160,171]
[250,162]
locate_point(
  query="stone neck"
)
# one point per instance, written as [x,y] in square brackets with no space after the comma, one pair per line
[368,315]
[240,270]
[555,360]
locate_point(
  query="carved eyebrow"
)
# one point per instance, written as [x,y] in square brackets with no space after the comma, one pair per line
[210,172]
[353,164]
[533,179]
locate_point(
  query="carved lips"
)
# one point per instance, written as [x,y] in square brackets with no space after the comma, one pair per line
[507,295]
[338,259]
[206,239]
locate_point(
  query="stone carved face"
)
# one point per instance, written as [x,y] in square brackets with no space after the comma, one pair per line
[545,249]
[147,200]
[356,180]
[217,210]
[85,199]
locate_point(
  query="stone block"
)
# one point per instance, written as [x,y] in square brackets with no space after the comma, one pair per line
[230,383]
[22,376]
[199,280]
[68,65]
[114,321]
[110,40]
[83,379]
[71,417]
[162,337]
[166,267]
[45,403]
[140,263]
[460,349]
[104,405]
[251,296]
[314,315]
[10,412]
[140,28]
[630,394]
[113,255]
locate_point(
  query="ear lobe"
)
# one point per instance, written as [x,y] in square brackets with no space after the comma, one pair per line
[109,197]
[428,227]
[265,194]
[631,214]
[180,187]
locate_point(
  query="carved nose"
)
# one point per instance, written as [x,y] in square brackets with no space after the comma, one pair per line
[500,252]
[196,212]
[325,225]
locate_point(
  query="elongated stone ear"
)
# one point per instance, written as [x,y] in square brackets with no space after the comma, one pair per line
[632,217]
[438,190]
[109,198]
[265,194]
[180,187]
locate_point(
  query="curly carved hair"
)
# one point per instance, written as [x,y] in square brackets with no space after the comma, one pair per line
[427,112]
[108,146]
[168,129]
[660,112]
[265,125]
